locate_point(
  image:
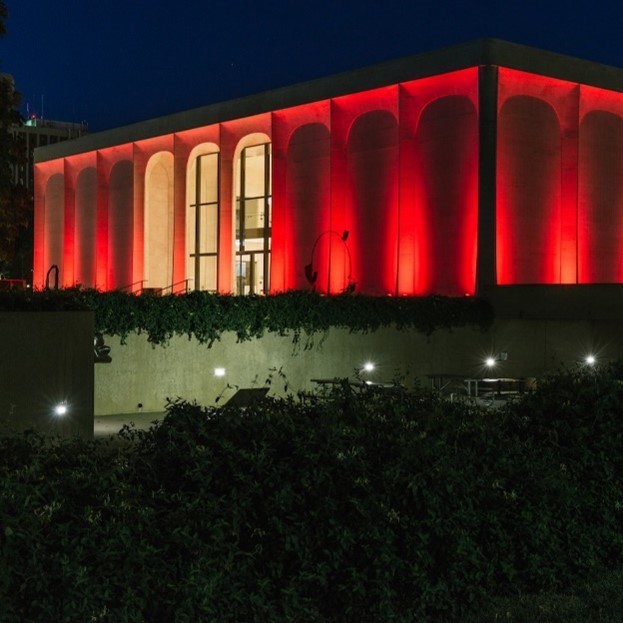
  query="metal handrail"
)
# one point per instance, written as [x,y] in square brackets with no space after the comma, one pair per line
[131,286]
[172,286]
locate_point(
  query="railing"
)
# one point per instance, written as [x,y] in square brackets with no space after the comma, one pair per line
[131,287]
[173,286]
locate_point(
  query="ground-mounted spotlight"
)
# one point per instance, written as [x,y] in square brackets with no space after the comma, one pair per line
[61,409]
[220,372]
[492,360]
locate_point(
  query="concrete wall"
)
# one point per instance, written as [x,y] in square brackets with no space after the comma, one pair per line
[147,375]
[46,358]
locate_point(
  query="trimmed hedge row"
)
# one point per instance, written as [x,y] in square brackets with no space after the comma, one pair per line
[355,506]
[207,316]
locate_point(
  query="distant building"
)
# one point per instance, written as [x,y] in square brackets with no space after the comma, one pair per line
[482,166]
[37,132]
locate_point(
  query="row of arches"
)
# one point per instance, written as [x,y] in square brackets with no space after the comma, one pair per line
[246,206]
[356,192]
[559,197]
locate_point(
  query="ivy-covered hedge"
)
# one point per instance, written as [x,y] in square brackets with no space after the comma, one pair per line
[207,316]
[356,506]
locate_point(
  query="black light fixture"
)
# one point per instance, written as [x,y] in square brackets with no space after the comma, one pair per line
[312,275]
[101,350]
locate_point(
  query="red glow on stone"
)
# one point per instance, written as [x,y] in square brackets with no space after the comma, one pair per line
[600,187]
[338,165]
[300,186]
[439,185]
[301,195]
[396,167]
[536,179]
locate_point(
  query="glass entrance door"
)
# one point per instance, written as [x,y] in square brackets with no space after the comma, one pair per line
[253,221]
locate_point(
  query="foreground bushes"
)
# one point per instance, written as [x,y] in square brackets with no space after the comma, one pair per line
[370,506]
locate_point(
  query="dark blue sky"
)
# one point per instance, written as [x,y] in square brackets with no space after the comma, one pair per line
[116,62]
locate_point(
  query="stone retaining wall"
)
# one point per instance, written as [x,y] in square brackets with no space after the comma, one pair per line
[141,374]
[46,359]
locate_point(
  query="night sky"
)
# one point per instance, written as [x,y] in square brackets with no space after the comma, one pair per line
[122,61]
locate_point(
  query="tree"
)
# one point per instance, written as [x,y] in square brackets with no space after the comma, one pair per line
[15,201]
[4,13]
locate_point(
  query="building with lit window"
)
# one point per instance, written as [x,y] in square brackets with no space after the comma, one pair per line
[455,172]
[38,132]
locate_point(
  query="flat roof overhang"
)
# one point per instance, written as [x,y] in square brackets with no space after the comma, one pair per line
[491,52]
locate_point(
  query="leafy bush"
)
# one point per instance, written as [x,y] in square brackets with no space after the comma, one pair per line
[207,316]
[361,505]
[597,599]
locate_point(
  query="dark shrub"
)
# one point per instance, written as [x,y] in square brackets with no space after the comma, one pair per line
[360,505]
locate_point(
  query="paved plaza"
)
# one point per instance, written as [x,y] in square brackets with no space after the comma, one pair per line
[110,425]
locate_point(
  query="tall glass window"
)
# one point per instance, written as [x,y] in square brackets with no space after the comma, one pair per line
[202,223]
[253,220]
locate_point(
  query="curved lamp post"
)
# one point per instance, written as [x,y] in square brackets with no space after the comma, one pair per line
[312,275]
[52,269]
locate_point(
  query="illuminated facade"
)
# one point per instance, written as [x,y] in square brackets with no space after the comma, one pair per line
[482,165]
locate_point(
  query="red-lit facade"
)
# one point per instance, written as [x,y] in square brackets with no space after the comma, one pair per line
[478,166]
[559,182]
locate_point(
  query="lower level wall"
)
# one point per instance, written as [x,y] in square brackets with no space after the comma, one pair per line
[46,358]
[141,377]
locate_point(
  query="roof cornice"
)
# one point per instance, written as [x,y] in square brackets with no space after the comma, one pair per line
[474,53]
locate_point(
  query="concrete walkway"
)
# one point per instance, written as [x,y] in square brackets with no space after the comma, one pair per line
[110,425]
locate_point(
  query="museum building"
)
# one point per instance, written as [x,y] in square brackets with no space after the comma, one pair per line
[478,166]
